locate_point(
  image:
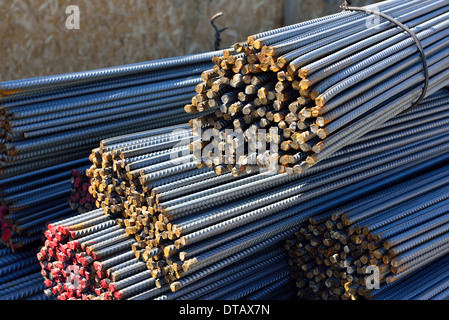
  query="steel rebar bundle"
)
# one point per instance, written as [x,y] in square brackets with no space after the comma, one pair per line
[49,116]
[49,125]
[74,246]
[89,257]
[317,86]
[427,283]
[20,278]
[32,199]
[186,219]
[398,231]
[5,226]
[80,197]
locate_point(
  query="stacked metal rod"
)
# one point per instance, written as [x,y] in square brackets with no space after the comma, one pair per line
[319,85]
[397,231]
[89,257]
[70,250]
[190,218]
[427,283]
[80,197]
[5,227]
[34,198]
[56,117]
[20,278]
[49,125]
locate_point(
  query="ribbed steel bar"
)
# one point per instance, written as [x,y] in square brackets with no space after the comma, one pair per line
[351,251]
[106,73]
[338,77]
[50,123]
[390,161]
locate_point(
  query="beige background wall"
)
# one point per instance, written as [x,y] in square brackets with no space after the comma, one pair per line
[309,9]
[35,41]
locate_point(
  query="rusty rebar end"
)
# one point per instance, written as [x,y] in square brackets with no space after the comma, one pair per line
[175,286]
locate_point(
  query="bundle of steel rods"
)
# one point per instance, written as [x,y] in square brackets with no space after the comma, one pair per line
[72,250]
[5,227]
[89,257]
[80,197]
[190,218]
[296,95]
[34,198]
[397,231]
[57,118]
[49,126]
[427,283]
[20,278]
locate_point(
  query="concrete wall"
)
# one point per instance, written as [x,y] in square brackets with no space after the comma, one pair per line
[301,10]
[36,42]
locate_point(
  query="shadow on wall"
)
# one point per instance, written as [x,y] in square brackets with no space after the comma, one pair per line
[36,40]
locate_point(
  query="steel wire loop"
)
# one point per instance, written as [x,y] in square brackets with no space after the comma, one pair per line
[346,6]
